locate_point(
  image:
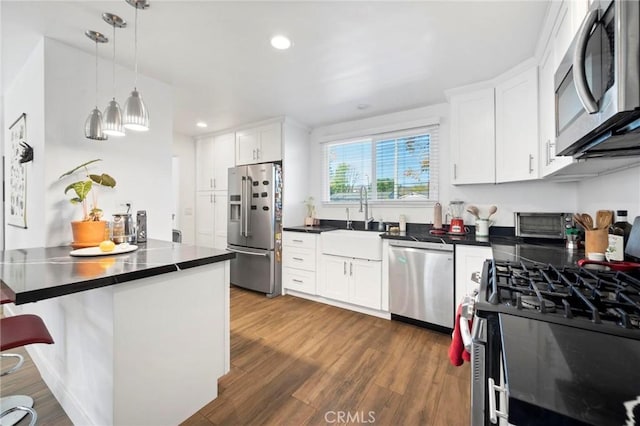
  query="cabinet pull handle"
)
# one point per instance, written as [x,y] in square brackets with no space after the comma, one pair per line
[211,198]
[344,268]
[455,171]
[548,146]
[530,163]
[298,258]
[254,154]
[297,241]
[214,183]
[257,153]
[350,269]
[297,281]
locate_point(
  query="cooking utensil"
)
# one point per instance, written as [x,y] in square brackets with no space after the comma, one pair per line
[578,219]
[604,218]
[474,211]
[587,220]
[616,266]
[492,211]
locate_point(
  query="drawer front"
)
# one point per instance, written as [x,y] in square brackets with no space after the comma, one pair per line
[299,239]
[300,258]
[296,279]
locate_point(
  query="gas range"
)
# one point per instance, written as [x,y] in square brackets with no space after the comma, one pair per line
[600,301]
[555,345]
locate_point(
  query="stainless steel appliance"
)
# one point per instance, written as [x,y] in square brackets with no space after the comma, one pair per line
[254,227]
[141,225]
[555,344]
[597,87]
[421,282]
[543,225]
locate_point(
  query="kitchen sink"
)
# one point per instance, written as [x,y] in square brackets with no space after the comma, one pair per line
[359,244]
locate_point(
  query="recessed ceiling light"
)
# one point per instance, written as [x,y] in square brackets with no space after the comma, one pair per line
[201,124]
[280,42]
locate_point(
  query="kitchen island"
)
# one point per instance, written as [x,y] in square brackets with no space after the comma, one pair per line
[140,338]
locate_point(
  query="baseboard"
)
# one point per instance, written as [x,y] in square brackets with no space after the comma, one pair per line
[338,304]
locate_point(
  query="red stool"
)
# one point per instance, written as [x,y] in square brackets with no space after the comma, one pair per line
[16,331]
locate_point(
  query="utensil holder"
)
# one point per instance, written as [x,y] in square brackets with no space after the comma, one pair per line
[596,240]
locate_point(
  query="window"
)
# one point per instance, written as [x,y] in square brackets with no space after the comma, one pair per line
[392,167]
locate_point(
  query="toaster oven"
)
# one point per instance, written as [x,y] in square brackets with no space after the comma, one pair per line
[543,225]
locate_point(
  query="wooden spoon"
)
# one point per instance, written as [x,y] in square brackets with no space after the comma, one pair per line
[587,220]
[604,219]
[474,211]
[492,211]
[578,219]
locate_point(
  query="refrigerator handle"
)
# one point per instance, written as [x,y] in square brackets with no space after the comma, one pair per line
[247,207]
[243,197]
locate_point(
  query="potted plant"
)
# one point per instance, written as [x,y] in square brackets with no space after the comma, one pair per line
[310,220]
[91,230]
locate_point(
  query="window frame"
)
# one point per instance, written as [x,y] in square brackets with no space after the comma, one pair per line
[434,169]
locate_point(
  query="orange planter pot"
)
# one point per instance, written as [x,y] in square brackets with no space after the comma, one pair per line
[88,234]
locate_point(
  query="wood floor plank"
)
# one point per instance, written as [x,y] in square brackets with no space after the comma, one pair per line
[293,361]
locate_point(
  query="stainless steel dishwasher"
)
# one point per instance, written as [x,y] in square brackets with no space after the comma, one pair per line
[421,282]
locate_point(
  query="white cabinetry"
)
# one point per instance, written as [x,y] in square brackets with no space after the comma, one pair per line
[469,259]
[259,145]
[517,127]
[473,137]
[351,280]
[299,259]
[211,219]
[214,156]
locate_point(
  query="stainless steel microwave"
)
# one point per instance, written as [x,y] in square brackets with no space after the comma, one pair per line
[597,84]
[542,225]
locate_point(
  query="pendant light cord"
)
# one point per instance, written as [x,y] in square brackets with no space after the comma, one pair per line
[135,48]
[96,74]
[114,61]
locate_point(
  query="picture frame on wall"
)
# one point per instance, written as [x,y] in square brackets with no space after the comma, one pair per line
[17,197]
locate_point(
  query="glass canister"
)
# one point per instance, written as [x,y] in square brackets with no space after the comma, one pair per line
[123,229]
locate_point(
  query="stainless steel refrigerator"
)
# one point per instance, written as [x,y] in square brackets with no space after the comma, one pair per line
[254,227]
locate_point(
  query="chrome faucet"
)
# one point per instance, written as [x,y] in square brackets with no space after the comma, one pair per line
[349,225]
[367,219]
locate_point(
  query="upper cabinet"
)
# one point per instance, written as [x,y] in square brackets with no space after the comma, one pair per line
[517,127]
[214,156]
[259,145]
[473,136]
[494,130]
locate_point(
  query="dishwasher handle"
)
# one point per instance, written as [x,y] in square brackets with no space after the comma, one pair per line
[421,245]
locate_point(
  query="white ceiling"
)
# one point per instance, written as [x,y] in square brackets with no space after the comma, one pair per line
[388,55]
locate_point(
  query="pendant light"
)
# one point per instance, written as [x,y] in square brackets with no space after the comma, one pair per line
[136,116]
[93,125]
[112,122]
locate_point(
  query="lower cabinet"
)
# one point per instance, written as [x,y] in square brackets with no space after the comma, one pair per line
[351,280]
[299,262]
[469,259]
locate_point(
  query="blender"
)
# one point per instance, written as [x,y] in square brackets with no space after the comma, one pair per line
[456,209]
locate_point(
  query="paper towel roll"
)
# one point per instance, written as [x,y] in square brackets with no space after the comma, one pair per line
[437,216]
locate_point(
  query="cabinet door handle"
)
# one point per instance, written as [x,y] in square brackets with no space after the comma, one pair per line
[297,241]
[344,268]
[297,281]
[298,258]
[214,183]
[257,153]
[548,146]
[350,269]
[530,163]
[210,183]
[254,154]
[211,198]
[455,171]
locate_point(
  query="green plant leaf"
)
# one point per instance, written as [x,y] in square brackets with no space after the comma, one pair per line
[79,167]
[81,188]
[104,180]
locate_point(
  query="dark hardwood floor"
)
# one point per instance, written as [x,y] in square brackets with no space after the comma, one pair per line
[297,362]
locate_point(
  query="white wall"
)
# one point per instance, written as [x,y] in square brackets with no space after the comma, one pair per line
[614,191]
[26,95]
[56,89]
[509,197]
[184,148]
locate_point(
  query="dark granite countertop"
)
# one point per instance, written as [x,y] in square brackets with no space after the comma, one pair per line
[505,245]
[35,274]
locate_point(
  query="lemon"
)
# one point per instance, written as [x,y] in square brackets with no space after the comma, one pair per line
[107,245]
